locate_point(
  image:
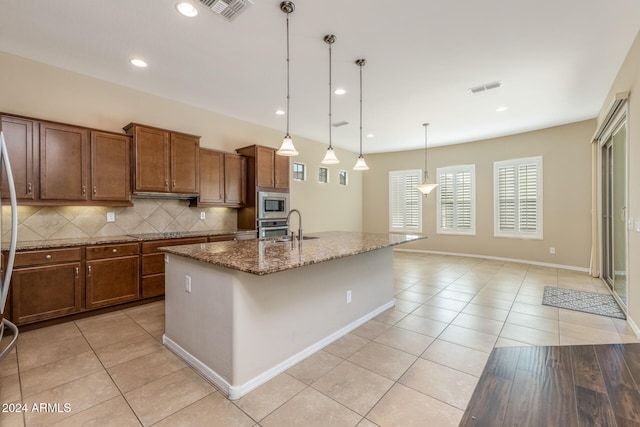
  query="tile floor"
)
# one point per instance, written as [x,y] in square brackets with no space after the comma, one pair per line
[414,365]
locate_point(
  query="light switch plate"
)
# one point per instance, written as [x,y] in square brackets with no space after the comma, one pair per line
[111,217]
[203,215]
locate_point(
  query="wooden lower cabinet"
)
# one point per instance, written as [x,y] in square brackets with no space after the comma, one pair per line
[112,275]
[46,284]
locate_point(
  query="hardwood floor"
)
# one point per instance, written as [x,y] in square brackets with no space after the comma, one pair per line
[586,385]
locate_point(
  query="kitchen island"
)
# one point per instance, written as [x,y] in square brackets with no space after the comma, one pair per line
[241,312]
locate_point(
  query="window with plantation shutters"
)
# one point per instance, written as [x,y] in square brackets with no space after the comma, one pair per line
[405,201]
[456,202]
[518,198]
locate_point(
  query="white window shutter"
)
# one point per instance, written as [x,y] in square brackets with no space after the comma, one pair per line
[405,202]
[456,199]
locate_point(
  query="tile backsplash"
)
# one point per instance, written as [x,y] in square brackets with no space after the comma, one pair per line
[146,216]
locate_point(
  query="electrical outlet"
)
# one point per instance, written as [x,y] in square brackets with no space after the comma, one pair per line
[552,251]
[348,297]
[187,283]
[111,217]
[203,215]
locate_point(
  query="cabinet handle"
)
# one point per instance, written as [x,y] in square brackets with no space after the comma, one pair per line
[114,250]
[88,271]
[84,190]
[95,190]
[173,183]
[29,188]
[48,256]
[77,272]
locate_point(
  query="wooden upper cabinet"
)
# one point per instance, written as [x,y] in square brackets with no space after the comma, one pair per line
[110,167]
[223,179]
[22,142]
[164,161]
[211,177]
[185,150]
[272,171]
[64,161]
[281,172]
[235,181]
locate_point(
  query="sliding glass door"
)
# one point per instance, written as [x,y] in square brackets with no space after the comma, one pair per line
[614,209]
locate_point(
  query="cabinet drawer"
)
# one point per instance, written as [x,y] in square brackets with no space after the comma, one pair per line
[152,285]
[222,238]
[112,251]
[152,264]
[151,247]
[52,256]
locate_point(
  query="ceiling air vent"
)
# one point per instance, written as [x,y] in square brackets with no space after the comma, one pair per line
[228,9]
[484,87]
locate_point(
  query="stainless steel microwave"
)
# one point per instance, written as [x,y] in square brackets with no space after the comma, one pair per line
[272,205]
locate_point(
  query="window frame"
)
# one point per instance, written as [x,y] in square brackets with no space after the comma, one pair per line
[409,179]
[293,171]
[327,175]
[346,177]
[456,200]
[517,164]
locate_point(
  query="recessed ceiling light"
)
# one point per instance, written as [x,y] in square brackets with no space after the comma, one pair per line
[340,91]
[280,112]
[187,9]
[138,62]
[501,109]
[370,135]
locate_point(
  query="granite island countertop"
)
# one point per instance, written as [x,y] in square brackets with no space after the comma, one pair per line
[262,257]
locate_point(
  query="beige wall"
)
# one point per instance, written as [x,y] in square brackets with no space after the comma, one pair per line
[37,90]
[566,156]
[628,79]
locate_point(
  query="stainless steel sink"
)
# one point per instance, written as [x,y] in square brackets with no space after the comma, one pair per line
[288,238]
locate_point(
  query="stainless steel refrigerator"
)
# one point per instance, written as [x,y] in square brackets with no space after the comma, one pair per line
[6,345]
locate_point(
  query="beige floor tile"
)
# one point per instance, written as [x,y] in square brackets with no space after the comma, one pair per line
[113,334]
[440,382]
[456,295]
[314,366]
[9,389]
[446,303]
[587,319]
[390,317]
[531,321]
[492,302]
[353,386]
[422,325]
[529,335]
[593,335]
[44,377]
[9,365]
[469,338]
[46,336]
[265,399]
[145,369]
[456,356]
[481,324]
[112,413]
[486,312]
[127,349]
[12,419]
[48,353]
[536,310]
[412,296]
[436,313]
[371,329]
[403,406]
[80,394]
[102,321]
[406,306]
[425,289]
[213,410]
[403,339]
[383,360]
[506,342]
[346,345]
[366,423]
[529,299]
[167,395]
[311,409]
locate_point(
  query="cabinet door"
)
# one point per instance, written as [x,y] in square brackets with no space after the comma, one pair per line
[265,164]
[151,153]
[281,172]
[235,181]
[110,167]
[46,292]
[185,151]
[19,135]
[212,177]
[112,281]
[64,159]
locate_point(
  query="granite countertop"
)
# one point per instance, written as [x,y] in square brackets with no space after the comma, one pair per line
[262,257]
[129,238]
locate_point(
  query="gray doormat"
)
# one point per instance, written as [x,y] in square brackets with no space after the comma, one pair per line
[587,302]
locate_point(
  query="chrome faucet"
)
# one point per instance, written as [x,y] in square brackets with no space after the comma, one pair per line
[299,222]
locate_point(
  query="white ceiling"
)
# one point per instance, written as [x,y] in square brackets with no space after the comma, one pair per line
[556,60]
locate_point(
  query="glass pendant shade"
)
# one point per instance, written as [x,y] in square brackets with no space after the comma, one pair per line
[287,149]
[330,157]
[426,188]
[361,165]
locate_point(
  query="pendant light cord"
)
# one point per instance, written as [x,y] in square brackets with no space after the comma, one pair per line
[330,42]
[360,64]
[288,97]
[426,173]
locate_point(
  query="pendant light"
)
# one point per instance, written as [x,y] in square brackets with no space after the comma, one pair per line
[330,158]
[287,149]
[361,165]
[426,187]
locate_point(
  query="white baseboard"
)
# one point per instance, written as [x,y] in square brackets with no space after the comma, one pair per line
[519,261]
[237,391]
